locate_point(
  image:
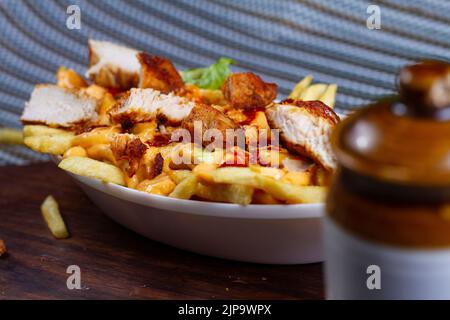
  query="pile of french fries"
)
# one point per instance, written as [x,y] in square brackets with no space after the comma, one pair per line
[206,180]
[306,91]
[89,154]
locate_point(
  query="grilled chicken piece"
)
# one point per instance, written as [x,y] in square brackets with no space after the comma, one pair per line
[158,73]
[56,106]
[112,65]
[210,118]
[248,91]
[140,105]
[128,150]
[305,128]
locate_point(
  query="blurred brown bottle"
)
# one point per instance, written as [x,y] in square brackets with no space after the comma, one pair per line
[389,204]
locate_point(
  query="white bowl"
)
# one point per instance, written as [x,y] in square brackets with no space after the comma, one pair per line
[275,234]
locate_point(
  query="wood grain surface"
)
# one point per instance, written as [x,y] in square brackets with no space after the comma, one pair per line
[115,262]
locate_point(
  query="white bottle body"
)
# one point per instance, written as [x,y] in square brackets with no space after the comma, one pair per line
[352,266]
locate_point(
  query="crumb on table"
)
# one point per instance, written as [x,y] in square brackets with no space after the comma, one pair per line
[2,248]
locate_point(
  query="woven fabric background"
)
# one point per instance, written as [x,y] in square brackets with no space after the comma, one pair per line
[280,40]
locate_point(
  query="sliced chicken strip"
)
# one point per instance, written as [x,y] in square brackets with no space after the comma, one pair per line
[141,105]
[112,65]
[248,91]
[158,73]
[128,149]
[208,118]
[305,128]
[56,106]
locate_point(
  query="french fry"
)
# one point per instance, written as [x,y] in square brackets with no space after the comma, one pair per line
[41,130]
[11,136]
[300,87]
[260,121]
[75,152]
[179,175]
[291,193]
[230,175]
[237,115]
[145,130]
[261,197]
[131,182]
[97,92]
[54,144]
[186,188]
[101,152]
[322,176]
[186,156]
[107,102]
[268,171]
[329,96]
[96,136]
[313,92]
[45,139]
[205,167]
[93,169]
[279,190]
[69,79]
[161,185]
[300,178]
[211,96]
[271,157]
[53,218]
[230,193]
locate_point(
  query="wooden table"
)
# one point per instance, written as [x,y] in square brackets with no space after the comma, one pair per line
[116,263]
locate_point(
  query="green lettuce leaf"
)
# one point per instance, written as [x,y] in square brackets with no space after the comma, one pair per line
[211,77]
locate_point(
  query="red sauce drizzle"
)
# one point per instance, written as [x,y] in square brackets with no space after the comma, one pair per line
[116,91]
[250,114]
[159,140]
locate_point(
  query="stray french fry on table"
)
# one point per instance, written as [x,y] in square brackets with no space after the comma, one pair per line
[53,218]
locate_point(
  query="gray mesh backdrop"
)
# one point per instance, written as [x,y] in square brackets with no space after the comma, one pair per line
[280,40]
